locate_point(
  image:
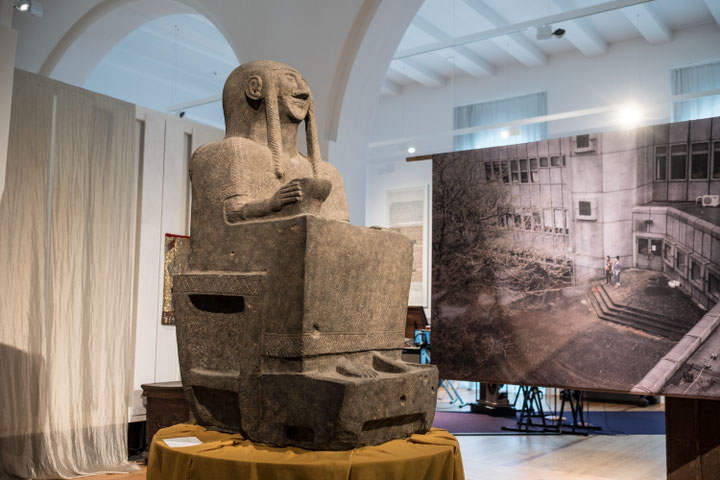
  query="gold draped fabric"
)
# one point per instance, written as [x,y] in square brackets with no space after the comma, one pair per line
[434,455]
[67,243]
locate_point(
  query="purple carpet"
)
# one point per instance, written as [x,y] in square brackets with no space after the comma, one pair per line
[616,423]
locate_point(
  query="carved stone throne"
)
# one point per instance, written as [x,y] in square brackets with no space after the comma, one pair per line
[290,322]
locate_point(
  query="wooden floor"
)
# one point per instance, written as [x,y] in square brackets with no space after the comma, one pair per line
[547,457]
[563,457]
[556,457]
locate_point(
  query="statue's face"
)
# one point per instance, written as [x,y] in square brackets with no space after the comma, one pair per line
[293,96]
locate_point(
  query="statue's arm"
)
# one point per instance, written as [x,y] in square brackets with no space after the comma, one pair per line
[238,207]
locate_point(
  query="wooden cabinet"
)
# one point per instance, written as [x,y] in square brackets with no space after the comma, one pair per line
[165,405]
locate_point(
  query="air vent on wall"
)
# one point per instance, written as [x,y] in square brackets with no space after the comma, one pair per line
[586,208]
[584,143]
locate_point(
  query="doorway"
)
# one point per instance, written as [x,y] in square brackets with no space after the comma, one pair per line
[649,253]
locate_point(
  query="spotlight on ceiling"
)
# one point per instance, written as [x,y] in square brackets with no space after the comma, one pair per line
[32,6]
[546,32]
[629,115]
[411,150]
[505,134]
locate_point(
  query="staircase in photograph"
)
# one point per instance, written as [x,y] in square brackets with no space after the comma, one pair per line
[650,322]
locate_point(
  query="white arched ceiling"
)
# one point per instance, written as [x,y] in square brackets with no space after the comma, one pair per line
[170,61]
[92,36]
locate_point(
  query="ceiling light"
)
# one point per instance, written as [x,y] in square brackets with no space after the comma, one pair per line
[32,6]
[504,134]
[411,149]
[629,115]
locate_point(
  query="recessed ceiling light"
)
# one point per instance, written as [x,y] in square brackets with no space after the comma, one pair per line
[504,134]
[23,5]
[411,149]
[629,115]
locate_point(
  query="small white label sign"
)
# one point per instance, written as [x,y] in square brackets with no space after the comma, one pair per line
[181,442]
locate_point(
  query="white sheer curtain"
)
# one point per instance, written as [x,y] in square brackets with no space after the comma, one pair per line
[695,79]
[504,110]
[67,239]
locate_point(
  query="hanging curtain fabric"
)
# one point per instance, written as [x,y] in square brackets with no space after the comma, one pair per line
[496,111]
[67,244]
[695,79]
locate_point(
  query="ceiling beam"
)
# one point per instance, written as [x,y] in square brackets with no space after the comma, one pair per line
[714,7]
[644,18]
[465,59]
[412,69]
[515,44]
[390,88]
[581,34]
[518,27]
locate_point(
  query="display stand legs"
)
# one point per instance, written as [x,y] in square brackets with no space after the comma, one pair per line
[692,432]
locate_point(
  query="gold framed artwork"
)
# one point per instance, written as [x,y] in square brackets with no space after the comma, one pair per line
[177,248]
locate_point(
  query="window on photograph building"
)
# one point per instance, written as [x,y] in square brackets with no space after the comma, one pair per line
[528,222]
[716,161]
[523,170]
[560,223]
[554,161]
[713,283]
[505,172]
[543,162]
[499,111]
[661,162]
[695,79]
[680,261]
[488,171]
[695,271]
[699,160]
[514,171]
[534,170]
[537,222]
[678,162]
[667,253]
[548,220]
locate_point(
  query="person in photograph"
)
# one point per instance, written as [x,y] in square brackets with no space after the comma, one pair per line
[608,270]
[616,269]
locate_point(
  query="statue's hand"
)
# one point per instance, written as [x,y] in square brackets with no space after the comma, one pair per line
[291,192]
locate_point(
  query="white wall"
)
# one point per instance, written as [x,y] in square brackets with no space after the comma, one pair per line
[8,38]
[164,208]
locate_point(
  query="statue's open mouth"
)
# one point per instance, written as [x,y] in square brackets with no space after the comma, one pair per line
[301,96]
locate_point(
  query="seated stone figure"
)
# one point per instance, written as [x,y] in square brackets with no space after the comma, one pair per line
[290,320]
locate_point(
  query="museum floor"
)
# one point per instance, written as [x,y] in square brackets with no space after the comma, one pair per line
[556,457]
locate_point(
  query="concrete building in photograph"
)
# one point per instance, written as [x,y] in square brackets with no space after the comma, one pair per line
[628,193]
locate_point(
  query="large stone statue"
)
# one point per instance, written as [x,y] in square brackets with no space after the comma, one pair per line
[290,320]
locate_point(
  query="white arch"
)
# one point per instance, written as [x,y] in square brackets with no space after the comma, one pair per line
[87,42]
[376,33]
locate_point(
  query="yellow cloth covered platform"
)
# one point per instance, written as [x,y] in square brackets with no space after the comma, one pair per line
[434,455]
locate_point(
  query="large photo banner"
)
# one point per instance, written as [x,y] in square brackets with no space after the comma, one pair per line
[588,262]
